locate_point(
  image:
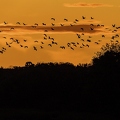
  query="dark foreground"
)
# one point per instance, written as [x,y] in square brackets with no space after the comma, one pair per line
[60,91]
[63,91]
[25,114]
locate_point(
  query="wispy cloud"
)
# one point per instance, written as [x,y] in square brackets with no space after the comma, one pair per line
[22,30]
[93,5]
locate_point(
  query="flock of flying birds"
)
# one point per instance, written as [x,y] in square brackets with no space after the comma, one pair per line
[71,45]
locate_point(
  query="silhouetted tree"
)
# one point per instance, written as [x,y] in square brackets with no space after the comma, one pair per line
[106,66]
[28,64]
[108,56]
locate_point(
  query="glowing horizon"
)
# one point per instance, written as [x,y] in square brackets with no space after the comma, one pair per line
[63,31]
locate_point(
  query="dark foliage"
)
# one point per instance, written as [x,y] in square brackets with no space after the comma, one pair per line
[63,86]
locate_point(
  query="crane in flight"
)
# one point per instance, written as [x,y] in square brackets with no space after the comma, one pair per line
[53,19]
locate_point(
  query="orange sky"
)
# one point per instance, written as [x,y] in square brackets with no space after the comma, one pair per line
[41,11]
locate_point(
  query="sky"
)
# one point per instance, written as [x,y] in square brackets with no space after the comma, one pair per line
[14,37]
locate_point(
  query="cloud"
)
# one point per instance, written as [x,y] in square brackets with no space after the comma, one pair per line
[93,5]
[22,30]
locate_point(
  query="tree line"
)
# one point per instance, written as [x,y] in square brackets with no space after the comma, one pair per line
[64,86]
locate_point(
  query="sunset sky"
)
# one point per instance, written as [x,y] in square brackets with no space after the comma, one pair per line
[30,12]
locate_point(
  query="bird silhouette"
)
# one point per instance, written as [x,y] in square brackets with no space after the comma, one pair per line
[92,18]
[76,20]
[26,46]
[7,43]
[113,25]
[42,42]
[63,47]
[74,45]
[96,43]
[11,38]
[45,38]
[9,46]
[62,24]
[83,44]
[98,25]
[4,37]
[65,19]
[50,38]
[71,24]
[88,40]
[83,17]
[54,42]
[102,25]
[50,45]
[53,24]
[1,51]
[3,48]
[78,35]
[12,28]
[87,45]
[91,28]
[36,24]
[90,37]
[5,23]
[103,35]
[41,47]
[34,48]
[24,24]
[82,33]
[18,23]
[45,35]
[21,45]
[82,39]
[52,28]
[25,40]
[68,44]
[36,41]
[92,24]
[43,24]
[82,29]
[53,19]
[113,37]
[33,26]
[72,48]
[117,35]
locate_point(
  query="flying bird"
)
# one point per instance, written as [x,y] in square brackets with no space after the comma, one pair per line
[41,47]
[76,20]
[34,48]
[25,40]
[53,24]
[5,23]
[12,28]
[91,28]
[18,23]
[36,24]
[24,24]
[65,19]
[113,25]
[83,17]
[63,47]
[50,45]
[62,24]
[53,19]
[43,24]
[36,41]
